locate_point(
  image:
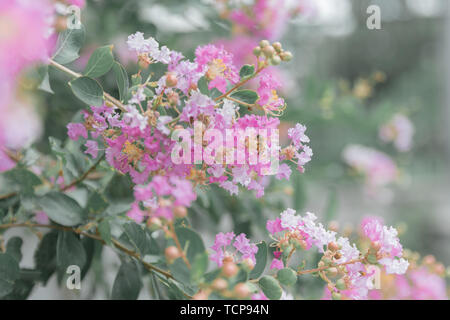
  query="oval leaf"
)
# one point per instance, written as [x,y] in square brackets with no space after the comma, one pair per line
[61,209]
[69,251]
[68,45]
[100,62]
[127,284]
[246,71]
[246,96]
[9,273]
[121,80]
[261,261]
[287,276]
[87,90]
[271,288]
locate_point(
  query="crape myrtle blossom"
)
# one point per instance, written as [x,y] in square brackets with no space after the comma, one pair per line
[386,240]
[227,246]
[400,131]
[139,140]
[293,232]
[377,167]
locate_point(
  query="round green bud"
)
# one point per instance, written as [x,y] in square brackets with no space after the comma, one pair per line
[264,43]
[286,56]
[275,60]
[277,46]
[257,51]
[340,284]
[336,296]
[268,51]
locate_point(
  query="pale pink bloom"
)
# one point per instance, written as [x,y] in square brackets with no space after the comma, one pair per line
[400,131]
[92,148]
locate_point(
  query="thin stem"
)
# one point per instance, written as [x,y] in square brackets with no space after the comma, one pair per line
[238,85]
[327,267]
[240,102]
[74,74]
[84,175]
[178,244]
[8,195]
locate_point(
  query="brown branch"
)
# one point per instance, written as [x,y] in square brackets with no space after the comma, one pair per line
[117,244]
[74,74]
[84,175]
[327,267]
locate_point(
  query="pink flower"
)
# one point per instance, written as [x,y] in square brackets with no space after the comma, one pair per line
[76,130]
[240,243]
[400,131]
[276,264]
[217,64]
[136,213]
[92,148]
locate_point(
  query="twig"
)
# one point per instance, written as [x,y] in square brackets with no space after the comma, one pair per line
[84,175]
[327,267]
[74,74]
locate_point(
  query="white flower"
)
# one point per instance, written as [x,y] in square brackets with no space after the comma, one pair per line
[161,124]
[397,266]
[289,219]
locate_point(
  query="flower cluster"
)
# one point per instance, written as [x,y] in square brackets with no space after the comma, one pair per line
[139,140]
[341,260]
[240,245]
[399,130]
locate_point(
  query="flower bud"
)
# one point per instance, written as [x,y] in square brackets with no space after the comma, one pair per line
[264,43]
[180,212]
[230,269]
[341,285]
[248,264]
[172,253]
[376,245]
[219,284]
[241,290]
[171,80]
[143,63]
[257,51]
[336,296]
[277,46]
[428,260]
[332,272]
[275,60]
[333,246]
[268,51]
[201,295]
[154,223]
[286,56]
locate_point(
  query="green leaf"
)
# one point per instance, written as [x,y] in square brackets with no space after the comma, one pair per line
[13,248]
[87,90]
[45,255]
[24,179]
[287,276]
[180,271]
[137,237]
[69,251]
[261,261]
[9,273]
[68,45]
[100,62]
[96,203]
[127,284]
[246,96]
[105,231]
[199,267]
[45,84]
[246,71]
[61,209]
[192,240]
[202,85]
[121,80]
[271,288]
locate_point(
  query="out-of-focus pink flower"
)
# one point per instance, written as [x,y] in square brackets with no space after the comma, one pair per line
[400,131]
[377,167]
